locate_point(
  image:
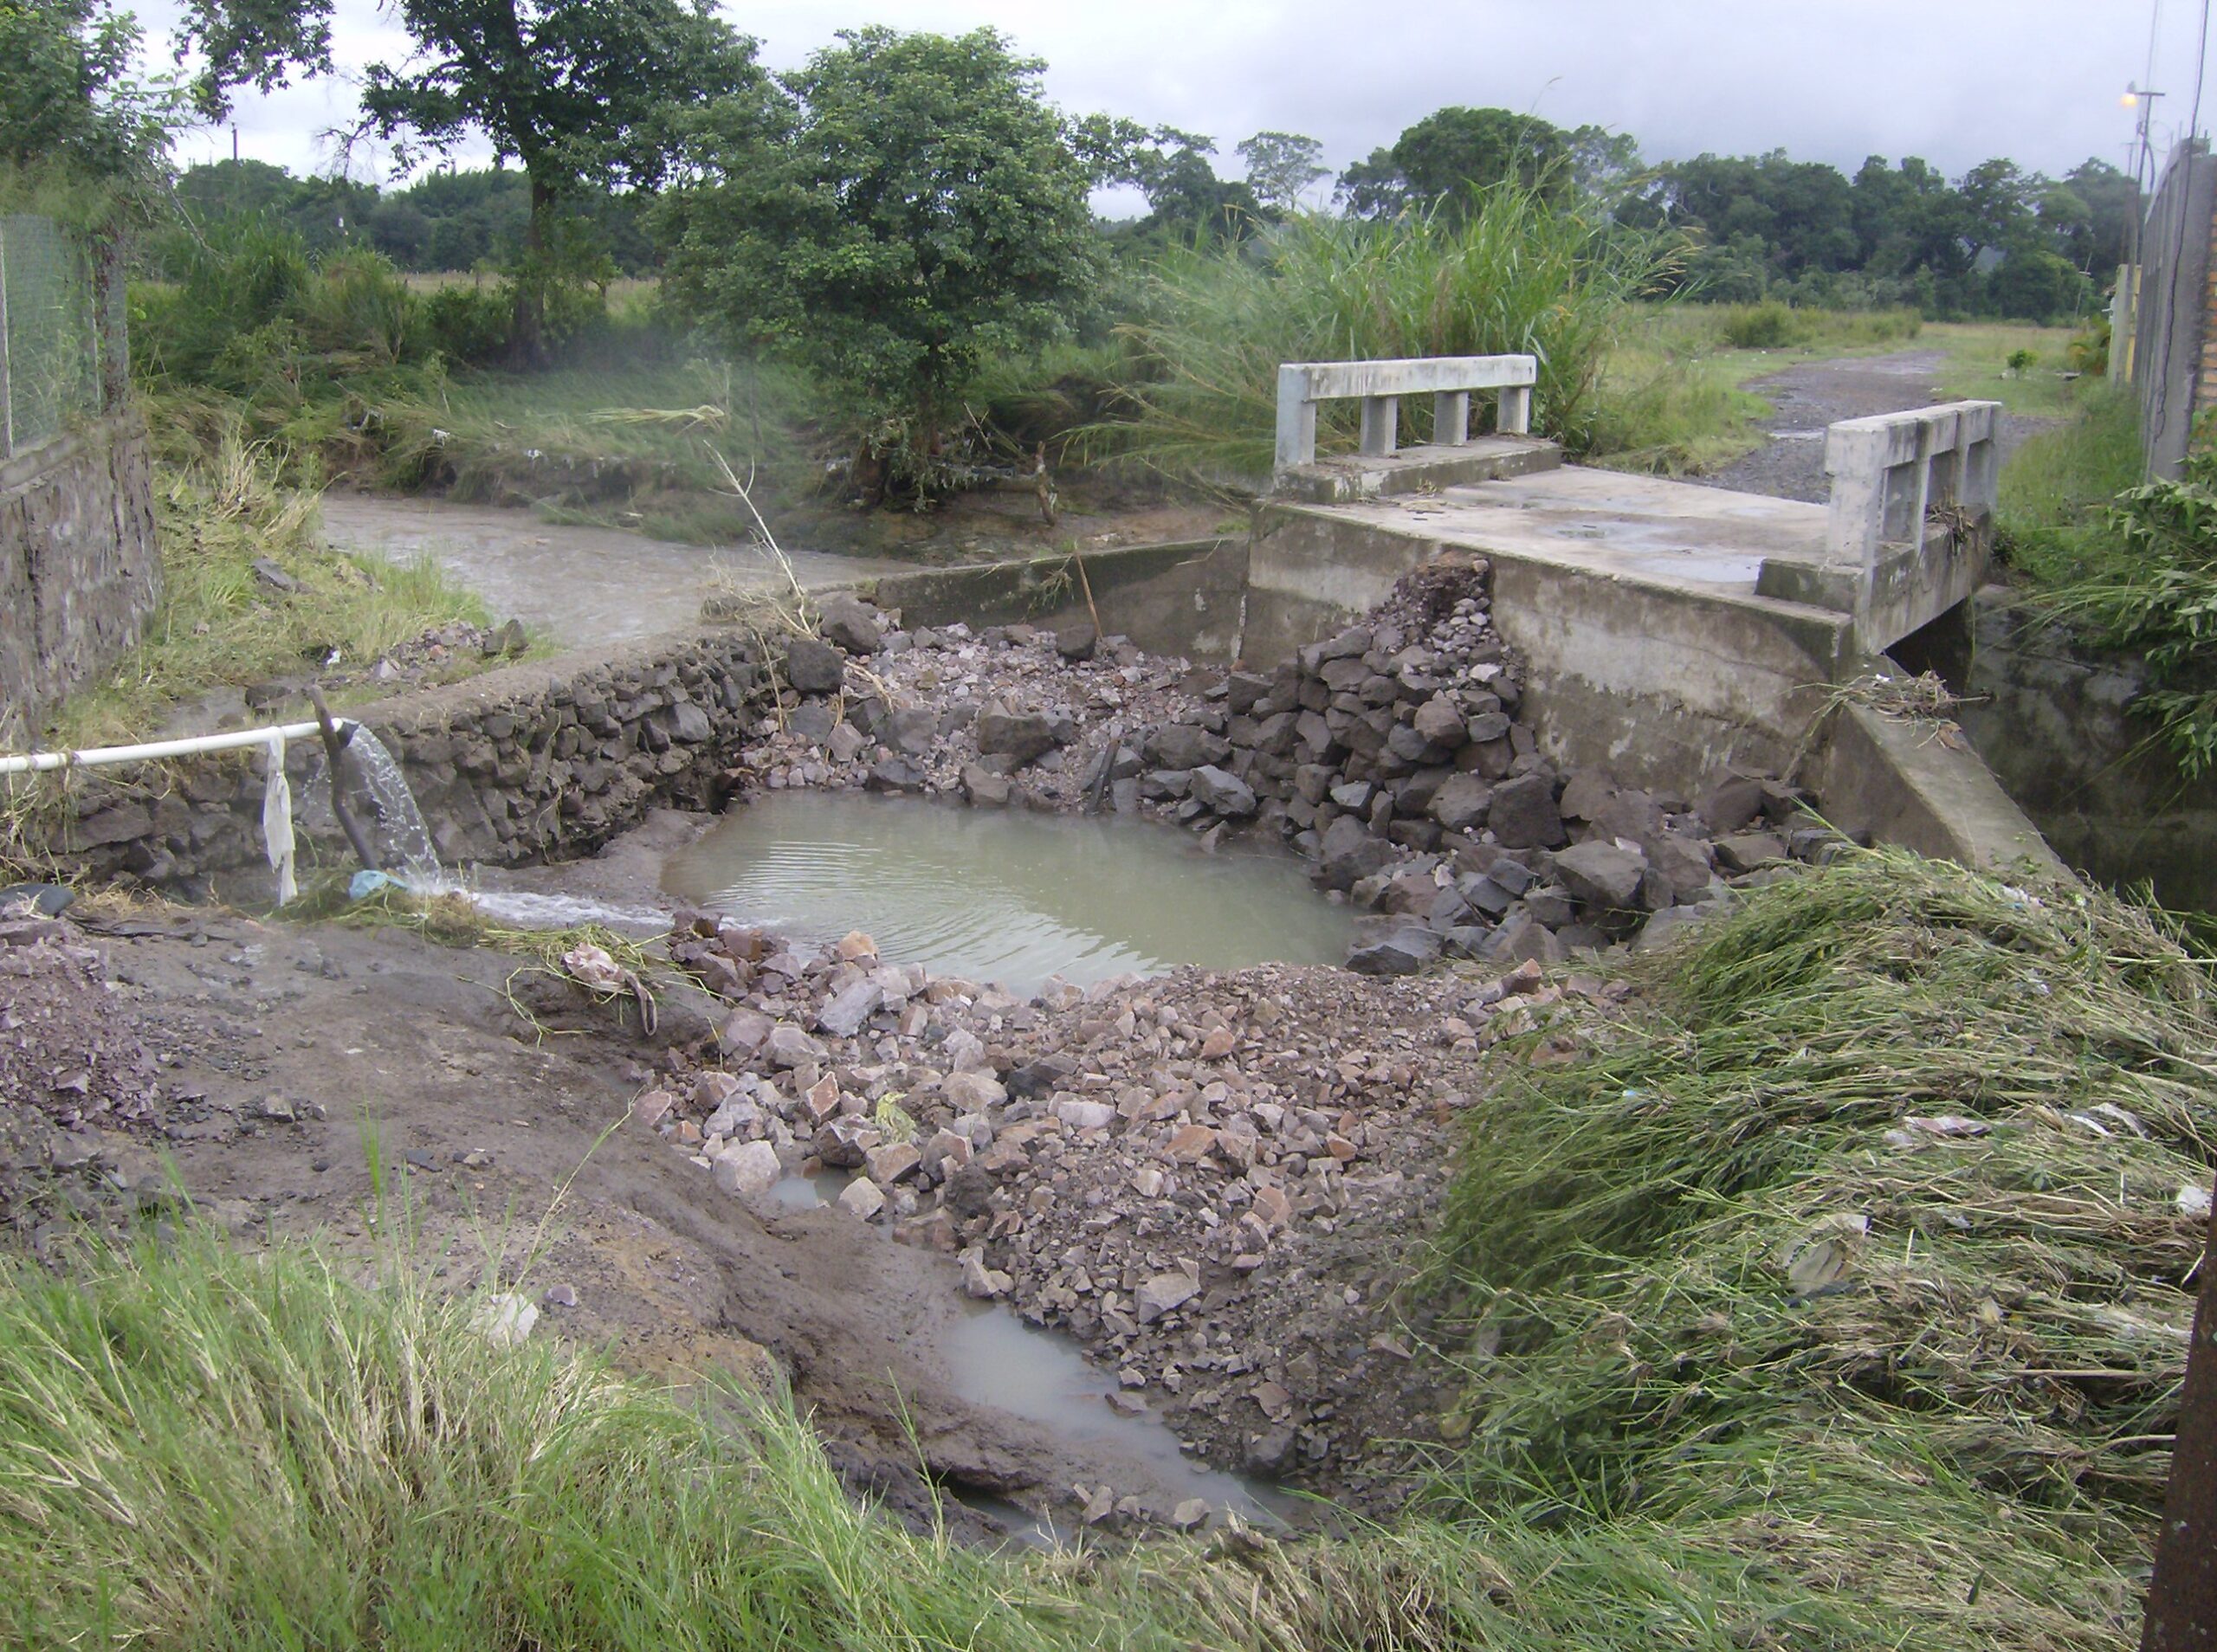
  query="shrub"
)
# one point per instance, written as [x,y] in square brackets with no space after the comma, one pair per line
[1768,325]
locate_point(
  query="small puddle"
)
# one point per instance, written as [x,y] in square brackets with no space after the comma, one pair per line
[994,1359]
[997,1360]
[994,894]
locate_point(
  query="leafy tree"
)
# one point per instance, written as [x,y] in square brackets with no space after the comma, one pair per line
[1997,197]
[2099,241]
[1452,152]
[577,91]
[1280,164]
[68,97]
[889,216]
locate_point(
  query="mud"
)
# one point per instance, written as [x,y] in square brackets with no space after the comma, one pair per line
[356,1085]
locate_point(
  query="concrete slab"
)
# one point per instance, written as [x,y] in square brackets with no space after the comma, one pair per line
[1640,527]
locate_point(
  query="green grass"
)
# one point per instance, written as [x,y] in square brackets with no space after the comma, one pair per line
[1674,395]
[1724,1308]
[2058,488]
[1977,367]
[1516,274]
[219,625]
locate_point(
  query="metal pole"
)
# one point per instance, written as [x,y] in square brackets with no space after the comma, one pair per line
[2183,1596]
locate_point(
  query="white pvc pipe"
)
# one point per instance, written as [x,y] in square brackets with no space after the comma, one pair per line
[38,762]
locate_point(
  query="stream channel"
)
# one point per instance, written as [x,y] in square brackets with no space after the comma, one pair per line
[989,896]
[1001,895]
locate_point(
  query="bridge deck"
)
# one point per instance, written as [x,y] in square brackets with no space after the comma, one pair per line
[1643,528]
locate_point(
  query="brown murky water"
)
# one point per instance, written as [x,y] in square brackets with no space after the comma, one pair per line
[1004,895]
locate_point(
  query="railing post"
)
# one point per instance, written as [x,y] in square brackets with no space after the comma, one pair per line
[1296,442]
[1381,423]
[1451,418]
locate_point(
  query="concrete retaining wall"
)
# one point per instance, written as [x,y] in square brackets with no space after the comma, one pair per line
[80,572]
[1659,684]
[1187,598]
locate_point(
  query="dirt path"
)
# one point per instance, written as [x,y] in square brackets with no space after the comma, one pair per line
[1791,463]
[584,587]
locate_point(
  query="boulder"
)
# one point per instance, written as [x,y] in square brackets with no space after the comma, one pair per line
[1018,736]
[1461,803]
[814,667]
[1164,1294]
[848,1008]
[1349,852]
[1604,876]
[849,622]
[1184,745]
[1523,813]
[1731,805]
[748,1170]
[1745,851]
[1439,720]
[1078,640]
[894,774]
[981,787]
[1586,794]
[1221,791]
[1402,950]
[863,1198]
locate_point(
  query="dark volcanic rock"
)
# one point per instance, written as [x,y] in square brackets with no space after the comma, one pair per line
[1183,746]
[814,667]
[1603,875]
[1018,736]
[1223,792]
[1523,815]
[851,622]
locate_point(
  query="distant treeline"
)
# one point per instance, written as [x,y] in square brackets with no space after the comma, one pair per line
[444,220]
[1998,240]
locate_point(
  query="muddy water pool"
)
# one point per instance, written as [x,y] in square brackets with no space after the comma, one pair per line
[1005,896]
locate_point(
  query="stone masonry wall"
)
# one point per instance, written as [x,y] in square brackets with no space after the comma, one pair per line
[545,761]
[80,571]
[2058,730]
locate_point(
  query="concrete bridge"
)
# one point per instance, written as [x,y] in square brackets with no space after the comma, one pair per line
[1671,632]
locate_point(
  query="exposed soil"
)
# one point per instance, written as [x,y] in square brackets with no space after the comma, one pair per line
[1791,463]
[285,1072]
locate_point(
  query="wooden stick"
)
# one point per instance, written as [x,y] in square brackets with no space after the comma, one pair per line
[334,746]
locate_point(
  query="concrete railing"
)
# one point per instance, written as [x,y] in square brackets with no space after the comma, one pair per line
[1890,473]
[1380,384]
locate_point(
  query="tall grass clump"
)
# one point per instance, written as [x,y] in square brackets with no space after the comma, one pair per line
[204,1451]
[1856,1250]
[1517,272]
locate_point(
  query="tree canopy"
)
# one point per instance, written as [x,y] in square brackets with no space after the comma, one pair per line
[577,92]
[890,215]
[69,98]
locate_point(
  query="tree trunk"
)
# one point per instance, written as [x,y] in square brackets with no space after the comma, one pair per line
[527,326]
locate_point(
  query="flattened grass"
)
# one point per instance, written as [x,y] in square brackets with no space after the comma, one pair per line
[1857,1250]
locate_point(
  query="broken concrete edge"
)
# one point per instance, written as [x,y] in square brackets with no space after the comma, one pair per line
[1886,779]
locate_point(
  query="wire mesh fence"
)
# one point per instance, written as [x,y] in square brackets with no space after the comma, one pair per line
[61,331]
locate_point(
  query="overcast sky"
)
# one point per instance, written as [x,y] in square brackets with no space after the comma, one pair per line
[1952,81]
